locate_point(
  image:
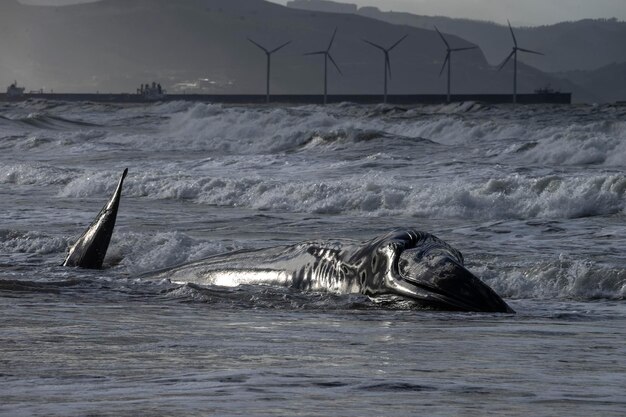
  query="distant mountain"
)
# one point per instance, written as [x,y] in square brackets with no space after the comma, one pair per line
[323,6]
[583,45]
[202,46]
[608,82]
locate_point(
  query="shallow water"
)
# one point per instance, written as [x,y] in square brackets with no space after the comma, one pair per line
[533,196]
[78,356]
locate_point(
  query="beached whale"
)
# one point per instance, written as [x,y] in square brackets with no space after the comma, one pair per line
[409,264]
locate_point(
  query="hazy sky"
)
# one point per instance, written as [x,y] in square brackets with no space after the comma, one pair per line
[520,12]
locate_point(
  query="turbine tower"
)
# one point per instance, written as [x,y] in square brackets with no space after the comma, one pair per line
[387,63]
[269,60]
[327,56]
[514,55]
[448,60]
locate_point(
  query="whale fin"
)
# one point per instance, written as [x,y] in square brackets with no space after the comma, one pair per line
[90,249]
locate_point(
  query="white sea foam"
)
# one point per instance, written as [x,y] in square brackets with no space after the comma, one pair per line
[34,173]
[254,131]
[141,252]
[563,277]
[515,196]
[599,143]
[444,164]
[31,242]
[524,197]
[245,177]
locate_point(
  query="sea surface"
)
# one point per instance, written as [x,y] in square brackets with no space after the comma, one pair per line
[533,196]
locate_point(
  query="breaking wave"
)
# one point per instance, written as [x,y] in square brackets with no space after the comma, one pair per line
[515,196]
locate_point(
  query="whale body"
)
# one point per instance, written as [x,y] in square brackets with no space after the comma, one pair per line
[408,264]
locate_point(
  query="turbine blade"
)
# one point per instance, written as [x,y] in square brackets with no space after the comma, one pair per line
[507,59]
[512,34]
[396,44]
[388,64]
[316,53]
[464,49]
[280,47]
[529,51]
[266,51]
[374,45]
[442,38]
[331,40]
[444,63]
[334,63]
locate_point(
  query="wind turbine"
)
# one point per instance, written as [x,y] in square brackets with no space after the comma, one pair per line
[327,56]
[514,55]
[387,61]
[269,60]
[448,60]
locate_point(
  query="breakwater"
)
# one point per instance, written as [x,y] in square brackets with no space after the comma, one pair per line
[404,99]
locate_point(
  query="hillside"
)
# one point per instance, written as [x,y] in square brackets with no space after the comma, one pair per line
[201,46]
[583,45]
[608,82]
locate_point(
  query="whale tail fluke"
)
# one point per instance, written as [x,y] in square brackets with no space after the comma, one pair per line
[90,249]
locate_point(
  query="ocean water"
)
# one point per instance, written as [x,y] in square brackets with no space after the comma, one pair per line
[533,196]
